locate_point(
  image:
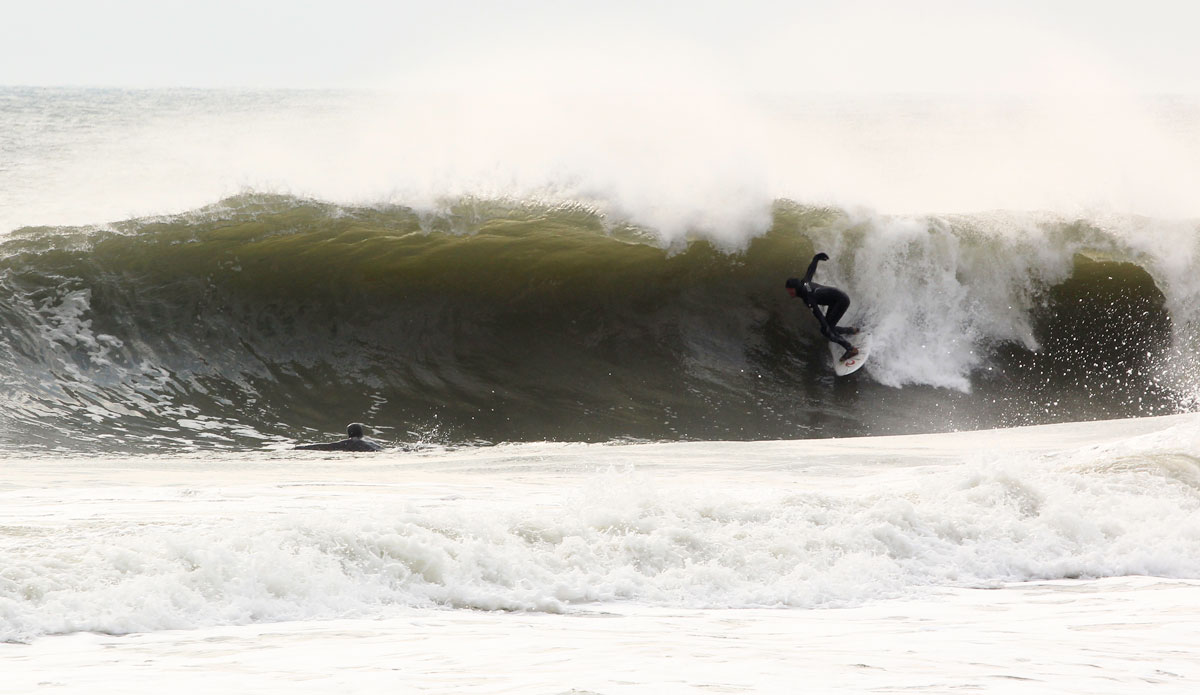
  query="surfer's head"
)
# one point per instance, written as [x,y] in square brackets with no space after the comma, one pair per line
[354,430]
[792,285]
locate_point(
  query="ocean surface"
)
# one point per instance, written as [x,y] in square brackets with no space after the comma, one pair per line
[618,459]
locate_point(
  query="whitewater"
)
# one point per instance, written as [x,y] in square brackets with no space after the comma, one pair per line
[1059,558]
[617,460]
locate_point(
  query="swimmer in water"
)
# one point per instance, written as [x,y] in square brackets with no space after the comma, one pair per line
[355,441]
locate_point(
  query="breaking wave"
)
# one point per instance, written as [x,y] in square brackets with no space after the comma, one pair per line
[268,317]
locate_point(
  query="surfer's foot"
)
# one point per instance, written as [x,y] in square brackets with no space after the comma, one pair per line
[846,330]
[852,352]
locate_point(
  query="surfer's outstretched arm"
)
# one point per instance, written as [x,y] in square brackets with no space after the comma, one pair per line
[812,267]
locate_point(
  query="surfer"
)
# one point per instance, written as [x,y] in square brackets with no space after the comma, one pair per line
[355,441]
[816,296]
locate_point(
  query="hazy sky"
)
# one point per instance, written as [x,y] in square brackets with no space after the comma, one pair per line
[793,46]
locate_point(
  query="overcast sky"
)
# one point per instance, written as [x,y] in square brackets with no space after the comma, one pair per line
[958,46]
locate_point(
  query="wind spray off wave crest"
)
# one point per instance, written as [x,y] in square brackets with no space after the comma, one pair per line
[696,160]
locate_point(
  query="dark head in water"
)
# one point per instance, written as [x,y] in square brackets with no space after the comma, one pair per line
[356,441]
[792,285]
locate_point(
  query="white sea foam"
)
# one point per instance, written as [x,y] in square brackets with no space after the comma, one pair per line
[1112,636]
[185,543]
[938,292]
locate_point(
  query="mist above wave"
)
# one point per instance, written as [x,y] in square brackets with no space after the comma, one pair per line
[693,160]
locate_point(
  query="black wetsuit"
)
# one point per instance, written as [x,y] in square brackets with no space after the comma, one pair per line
[816,296]
[351,444]
[356,441]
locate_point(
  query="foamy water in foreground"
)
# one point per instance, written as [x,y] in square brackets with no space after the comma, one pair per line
[1063,558]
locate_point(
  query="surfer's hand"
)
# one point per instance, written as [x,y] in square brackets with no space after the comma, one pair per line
[821,256]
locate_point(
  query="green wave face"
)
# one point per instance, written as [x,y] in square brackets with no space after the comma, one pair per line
[269,318]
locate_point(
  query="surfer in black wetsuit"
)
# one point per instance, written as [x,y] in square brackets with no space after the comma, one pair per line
[817,296]
[356,441]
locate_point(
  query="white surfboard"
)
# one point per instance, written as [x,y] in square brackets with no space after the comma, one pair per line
[861,341]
